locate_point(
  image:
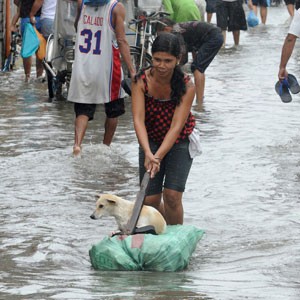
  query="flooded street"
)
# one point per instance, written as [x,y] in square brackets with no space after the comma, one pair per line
[244,190]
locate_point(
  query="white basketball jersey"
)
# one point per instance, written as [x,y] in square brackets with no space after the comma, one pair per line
[97,71]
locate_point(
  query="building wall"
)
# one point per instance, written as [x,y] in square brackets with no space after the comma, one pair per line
[2,17]
[3,24]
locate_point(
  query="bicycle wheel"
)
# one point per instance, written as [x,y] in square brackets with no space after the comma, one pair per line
[135,54]
[54,84]
[50,81]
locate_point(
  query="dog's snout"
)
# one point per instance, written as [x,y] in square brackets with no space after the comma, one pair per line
[93,217]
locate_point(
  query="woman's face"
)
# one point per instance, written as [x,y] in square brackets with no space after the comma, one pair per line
[164,63]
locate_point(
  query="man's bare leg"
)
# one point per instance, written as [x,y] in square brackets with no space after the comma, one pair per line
[109,130]
[81,123]
[27,67]
[224,38]
[291,9]
[208,17]
[263,14]
[236,37]
[39,68]
[254,7]
[200,84]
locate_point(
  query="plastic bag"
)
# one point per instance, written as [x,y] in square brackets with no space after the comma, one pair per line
[252,19]
[170,251]
[194,146]
[41,52]
[30,41]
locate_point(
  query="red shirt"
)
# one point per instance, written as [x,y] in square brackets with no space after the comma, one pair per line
[159,115]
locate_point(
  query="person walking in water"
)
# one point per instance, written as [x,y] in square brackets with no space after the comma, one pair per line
[204,40]
[48,8]
[210,9]
[162,96]
[97,71]
[263,8]
[24,8]
[288,45]
[231,16]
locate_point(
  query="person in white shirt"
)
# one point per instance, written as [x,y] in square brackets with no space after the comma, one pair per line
[289,44]
[47,15]
[97,70]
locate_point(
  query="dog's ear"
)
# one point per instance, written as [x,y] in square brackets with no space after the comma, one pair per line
[111,201]
[97,196]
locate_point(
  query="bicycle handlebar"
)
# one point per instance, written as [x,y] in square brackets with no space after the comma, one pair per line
[150,18]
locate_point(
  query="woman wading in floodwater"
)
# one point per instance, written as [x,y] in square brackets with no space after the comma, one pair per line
[162,96]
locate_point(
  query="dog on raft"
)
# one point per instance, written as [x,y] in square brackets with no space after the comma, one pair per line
[121,210]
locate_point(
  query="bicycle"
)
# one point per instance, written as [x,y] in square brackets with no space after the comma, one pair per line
[145,34]
[10,61]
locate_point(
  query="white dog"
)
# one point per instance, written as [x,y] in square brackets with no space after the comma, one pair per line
[121,209]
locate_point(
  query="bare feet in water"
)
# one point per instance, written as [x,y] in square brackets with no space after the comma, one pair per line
[27,78]
[76,150]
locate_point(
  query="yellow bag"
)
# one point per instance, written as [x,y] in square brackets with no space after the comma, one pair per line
[41,52]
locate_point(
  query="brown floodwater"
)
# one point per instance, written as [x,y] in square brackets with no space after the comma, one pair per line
[243,190]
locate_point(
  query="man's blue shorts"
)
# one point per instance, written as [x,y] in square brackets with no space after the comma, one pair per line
[47,27]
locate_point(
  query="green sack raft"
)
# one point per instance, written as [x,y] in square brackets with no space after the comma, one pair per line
[170,251]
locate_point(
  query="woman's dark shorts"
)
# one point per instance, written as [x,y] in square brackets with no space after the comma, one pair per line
[174,168]
[113,109]
[208,50]
[231,15]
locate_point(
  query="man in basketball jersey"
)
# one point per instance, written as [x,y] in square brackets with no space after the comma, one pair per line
[97,71]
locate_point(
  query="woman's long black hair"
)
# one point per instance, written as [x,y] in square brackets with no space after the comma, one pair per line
[169,43]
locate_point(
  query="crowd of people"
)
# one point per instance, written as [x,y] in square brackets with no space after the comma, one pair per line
[162,94]
[230,16]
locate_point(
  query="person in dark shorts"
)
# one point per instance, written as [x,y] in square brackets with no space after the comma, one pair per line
[210,9]
[162,97]
[97,72]
[231,17]
[263,4]
[203,40]
[85,112]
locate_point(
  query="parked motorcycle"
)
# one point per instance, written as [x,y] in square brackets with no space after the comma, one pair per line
[60,49]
